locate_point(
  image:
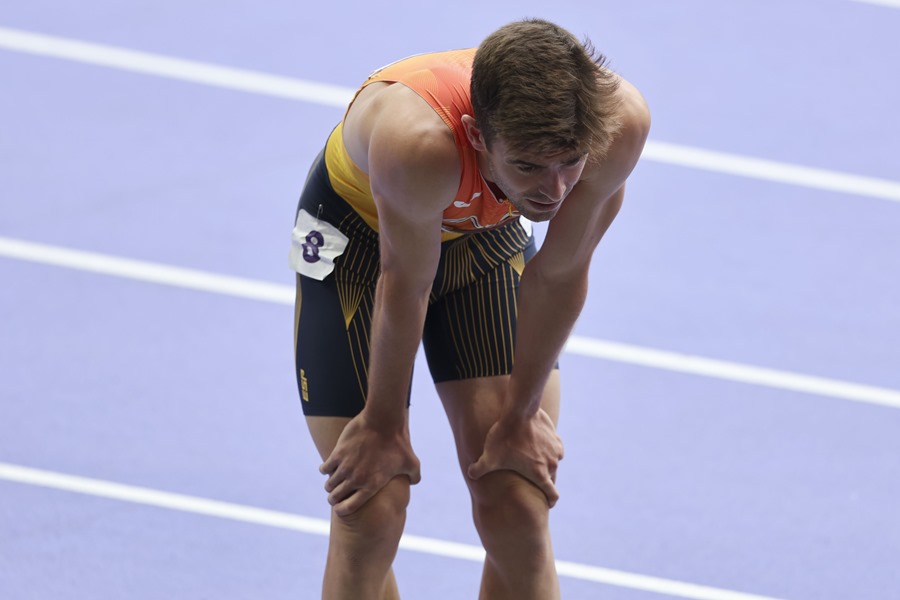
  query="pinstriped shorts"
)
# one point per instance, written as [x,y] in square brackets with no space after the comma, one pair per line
[469,329]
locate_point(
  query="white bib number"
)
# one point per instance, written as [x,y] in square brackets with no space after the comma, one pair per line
[315,245]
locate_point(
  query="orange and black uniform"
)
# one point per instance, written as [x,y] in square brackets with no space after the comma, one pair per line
[470,325]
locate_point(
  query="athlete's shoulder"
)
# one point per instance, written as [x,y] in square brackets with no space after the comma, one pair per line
[410,150]
[633,109]
[632,116]
[634,120]
[402,115]
[398,119]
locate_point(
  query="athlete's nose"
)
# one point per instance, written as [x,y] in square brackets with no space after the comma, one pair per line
[553,186]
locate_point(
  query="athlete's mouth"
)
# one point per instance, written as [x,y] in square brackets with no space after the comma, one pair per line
[543,205]
[541,199]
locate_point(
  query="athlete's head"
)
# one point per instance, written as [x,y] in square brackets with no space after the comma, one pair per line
[540,90]
[544,105]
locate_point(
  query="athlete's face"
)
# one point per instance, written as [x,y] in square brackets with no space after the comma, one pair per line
[535,184]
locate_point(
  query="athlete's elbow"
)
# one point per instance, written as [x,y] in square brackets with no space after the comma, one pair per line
[567,282]
[398,283]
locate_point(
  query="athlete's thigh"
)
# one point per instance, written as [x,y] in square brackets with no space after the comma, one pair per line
[333,307]
[473,406]
[470,328]
[331,352]
[310,360]
[325,432]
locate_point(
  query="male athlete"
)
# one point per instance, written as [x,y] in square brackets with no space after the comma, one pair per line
[408,232]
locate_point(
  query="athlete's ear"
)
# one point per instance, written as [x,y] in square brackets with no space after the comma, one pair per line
[473,133]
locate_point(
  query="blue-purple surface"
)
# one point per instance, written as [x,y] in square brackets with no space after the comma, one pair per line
[719,483]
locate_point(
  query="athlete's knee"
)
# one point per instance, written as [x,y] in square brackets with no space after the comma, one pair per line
[381,519]
[363,545]
[511,514]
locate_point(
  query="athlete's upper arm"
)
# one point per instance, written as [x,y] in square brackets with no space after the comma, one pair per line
[414,172]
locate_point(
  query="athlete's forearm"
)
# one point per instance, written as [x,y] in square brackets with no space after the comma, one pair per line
[397,322]
[547,312]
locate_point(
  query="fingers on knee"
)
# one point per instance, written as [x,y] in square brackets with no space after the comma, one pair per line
[384,512]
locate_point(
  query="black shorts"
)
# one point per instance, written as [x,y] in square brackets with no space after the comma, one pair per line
[470,326]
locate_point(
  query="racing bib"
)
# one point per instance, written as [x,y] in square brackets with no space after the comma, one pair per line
[315,245]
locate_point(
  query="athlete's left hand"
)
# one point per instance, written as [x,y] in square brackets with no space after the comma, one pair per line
[529,446]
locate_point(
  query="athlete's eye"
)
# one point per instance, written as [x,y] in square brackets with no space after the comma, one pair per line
[526,169]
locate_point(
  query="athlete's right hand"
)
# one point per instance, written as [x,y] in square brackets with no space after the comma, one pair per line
[364,460]
[529,446]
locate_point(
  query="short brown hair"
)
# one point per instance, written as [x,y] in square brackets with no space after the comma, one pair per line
[542,91]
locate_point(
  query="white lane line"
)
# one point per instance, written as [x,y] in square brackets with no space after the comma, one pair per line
[770,170]
[331,95]
[595,348]
[888,3]
[281,520]
[174,68]
[146,271]
[731,371]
